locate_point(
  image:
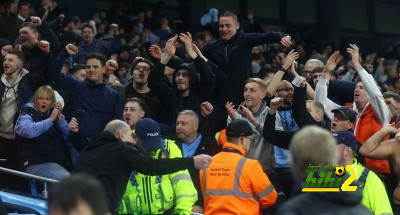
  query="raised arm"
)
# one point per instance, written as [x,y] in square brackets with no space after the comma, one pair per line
[276,79]
[321,90]
[374,94]
[375,148]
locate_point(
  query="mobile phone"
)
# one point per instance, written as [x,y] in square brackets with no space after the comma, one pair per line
[79,115]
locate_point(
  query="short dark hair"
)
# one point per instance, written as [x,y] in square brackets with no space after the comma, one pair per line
[29,25]
[137,100]
[65,195]
[77,67]
[229,14]
[19,54]
[391,94]
[139,60]
[23,4]
[97,56]
[87,26]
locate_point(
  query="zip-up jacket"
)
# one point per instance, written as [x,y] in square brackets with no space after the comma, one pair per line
[157,194]
[233,184]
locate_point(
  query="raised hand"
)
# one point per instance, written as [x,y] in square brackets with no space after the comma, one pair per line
[332,62]
[5,49]
[114,27]
[230,108]
[276,103]
[170,46]
[111,65]
[202,161]
[73,125]
[206,108]
[44,46]
[290,58]
[71,49]
[355,57]
[249,115]
[197,50]
[286,41]
[155,52]
[56,113]
[36,21]
[187,41]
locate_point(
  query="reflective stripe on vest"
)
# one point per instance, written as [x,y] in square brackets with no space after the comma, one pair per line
[235,192]
[181,177]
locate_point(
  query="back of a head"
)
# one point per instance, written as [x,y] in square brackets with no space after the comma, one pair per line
[311,145]
[69,194]
[115,126]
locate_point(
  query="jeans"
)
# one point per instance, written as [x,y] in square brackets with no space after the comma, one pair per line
[48,170]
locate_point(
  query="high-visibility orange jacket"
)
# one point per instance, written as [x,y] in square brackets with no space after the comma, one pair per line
[368,125]
[233,184]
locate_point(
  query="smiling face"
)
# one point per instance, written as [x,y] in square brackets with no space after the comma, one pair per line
[132,113]
[87,35]
[28,36]
[227,27]
[11,64]
[253,95]
[285,90]
[94,70]
[140,73]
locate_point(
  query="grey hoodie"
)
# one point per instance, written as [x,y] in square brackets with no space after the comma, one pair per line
[260,149]
[9,106]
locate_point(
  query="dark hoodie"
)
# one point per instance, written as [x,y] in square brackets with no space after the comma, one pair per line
[112,161]
[201,89]
[326,203]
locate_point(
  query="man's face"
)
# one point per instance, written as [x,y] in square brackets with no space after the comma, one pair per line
[253,95]
[12,9]
[132,113]
[316,76]
[82,208]
[28,36]
[227,27]
[186,127]
[339,123]
[360,96]
[94,70]
[313,111]
[11,64]
[141,73]
[392,105]
[80,75]
[183,79]
[307,70]
[87,35]
[285,91]
[24,11]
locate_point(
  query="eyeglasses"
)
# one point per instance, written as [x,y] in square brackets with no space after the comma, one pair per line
[144,68]
[287,89]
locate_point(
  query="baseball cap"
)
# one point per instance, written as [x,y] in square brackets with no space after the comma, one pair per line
[346,112]
[347,138]
[148,131]
[239,128]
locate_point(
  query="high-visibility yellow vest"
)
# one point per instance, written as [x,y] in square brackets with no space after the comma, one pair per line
[156,194]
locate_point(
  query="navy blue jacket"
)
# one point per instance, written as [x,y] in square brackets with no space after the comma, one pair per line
[100,103]
[234,58]
[97,46]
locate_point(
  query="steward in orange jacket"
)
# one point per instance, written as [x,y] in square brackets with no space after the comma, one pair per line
[233,184]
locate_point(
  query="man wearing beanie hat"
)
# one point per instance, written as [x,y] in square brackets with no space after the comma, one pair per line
[375,197]
[179,193]
[234,184]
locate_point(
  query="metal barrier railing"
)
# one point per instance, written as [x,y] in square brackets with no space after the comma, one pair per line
[30,176]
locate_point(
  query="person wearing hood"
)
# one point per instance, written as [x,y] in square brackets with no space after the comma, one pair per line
[341,203]
[42,134]
[188,90]
[232,54]
[15,91]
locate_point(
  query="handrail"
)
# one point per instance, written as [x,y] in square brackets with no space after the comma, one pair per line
[30,176]
[26,175]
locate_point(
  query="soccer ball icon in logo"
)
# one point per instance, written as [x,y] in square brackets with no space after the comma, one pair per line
[340,171]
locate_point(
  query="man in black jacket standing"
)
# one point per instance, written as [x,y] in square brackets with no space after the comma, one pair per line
[112,156]
[232,54]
